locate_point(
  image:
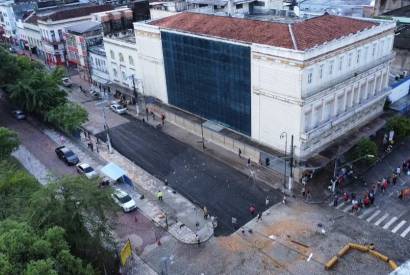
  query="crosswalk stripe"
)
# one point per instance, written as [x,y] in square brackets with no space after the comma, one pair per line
[379,221]
[387,225]
[405,232]
[367,211]
[373,216]
[347,208]
[398,226]
[340,205]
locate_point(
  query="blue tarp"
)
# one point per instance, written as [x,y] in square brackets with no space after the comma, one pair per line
[113,171]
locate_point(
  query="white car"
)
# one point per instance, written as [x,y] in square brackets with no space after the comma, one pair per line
[119,109]
[124,200]
[86,170]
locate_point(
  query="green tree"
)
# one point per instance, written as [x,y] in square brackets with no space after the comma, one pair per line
[365,147]
[8,142]
[37,92]
[68,117]
[16,187]
[400,125]
[26,251]
[81,208]
[8,68]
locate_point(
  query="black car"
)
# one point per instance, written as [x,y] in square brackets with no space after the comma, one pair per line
[67,155]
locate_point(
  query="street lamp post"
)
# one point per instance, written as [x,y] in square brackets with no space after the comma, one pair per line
[284,135]
[107,131]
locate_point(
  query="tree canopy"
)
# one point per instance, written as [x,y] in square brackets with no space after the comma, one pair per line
[8,142]
[68,117]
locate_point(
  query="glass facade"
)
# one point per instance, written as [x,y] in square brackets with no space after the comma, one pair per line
[209,78]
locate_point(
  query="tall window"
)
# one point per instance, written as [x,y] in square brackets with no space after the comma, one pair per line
[318,116]
[308,121]
[340,103]
[328,110]
[121,57]
[331,63]
[115,72]
[309,77]
[366,53]
[131,60]
[321,71]
[381,48]
[349,61]
[358,56]
[349,102]
[374,49]
[112,54]
[60,35]
[341,63]
[53,36]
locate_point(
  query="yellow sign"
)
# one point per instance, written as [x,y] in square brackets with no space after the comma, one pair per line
[125,253]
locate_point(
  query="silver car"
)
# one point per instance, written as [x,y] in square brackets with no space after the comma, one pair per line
[119,109]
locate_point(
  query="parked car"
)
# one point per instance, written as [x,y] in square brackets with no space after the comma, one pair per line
[18,114]
[12,50]
[124,200]
[95,94]
[86,170]
[66,82]
[67,155]
[119,109]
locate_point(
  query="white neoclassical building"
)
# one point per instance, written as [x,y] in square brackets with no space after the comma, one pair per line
[315,79]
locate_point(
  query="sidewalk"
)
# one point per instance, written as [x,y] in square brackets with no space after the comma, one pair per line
[176,214]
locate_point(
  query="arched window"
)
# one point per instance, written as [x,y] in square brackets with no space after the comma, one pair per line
[112,54]
[115,73]
[131,60]
[121,58]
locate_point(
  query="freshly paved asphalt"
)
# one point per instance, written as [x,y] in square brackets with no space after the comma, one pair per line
[225,191]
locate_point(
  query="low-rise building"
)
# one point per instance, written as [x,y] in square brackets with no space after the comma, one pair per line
[98,68]
[53,24]
[79,38]
[122,63]
[315,79]
[10,13]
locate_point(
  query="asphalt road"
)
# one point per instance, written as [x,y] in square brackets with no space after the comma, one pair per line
[205,181]
[39,144]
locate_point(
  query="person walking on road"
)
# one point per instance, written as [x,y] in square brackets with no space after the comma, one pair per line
[267,201]
[198,241]
[394,178]
[259,218]
[205,213]
[160,195]
[252,210]
[240,153]
[335,201]
[398,171]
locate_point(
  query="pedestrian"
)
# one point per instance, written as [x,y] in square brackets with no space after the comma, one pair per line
[252,210]
[284,199]
[240,152]
[308,195]
[160,195]
[385,185]
[62,140]
[153,115]
[303,192]
[267,201]
[249,162]
[91,146]
[259,217]
[371,196]
[345,196]
[394,179]
[398,171]
[205,213]
[97,147]
[335,201]
[198,241]
[163,119]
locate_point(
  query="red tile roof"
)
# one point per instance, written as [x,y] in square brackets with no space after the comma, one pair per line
[307,33]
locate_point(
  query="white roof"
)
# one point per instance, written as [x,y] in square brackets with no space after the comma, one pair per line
[112,171]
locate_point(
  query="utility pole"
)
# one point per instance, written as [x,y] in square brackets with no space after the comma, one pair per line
[135,94]
[202,134]
[291,163]
[107,131]
[285,135]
